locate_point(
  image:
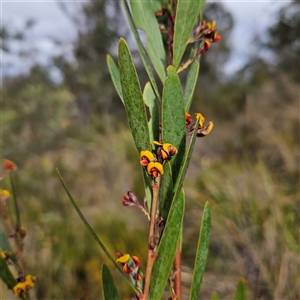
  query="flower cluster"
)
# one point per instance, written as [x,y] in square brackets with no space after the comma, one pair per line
[131,267]
[22,287]
[206,32]
[154,162]
[203,130]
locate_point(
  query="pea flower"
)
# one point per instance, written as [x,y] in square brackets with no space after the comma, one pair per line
[146,157]
[165,150]
[205,31]
[131,266]
[22,287]
[203,130]
[155,169]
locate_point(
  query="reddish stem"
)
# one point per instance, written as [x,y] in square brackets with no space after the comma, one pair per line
[151,246]
[177,270]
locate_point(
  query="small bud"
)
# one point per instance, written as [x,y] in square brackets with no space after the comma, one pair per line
[188,119]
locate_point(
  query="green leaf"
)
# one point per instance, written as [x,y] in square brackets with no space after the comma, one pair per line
[4,242]
[150,101]
[145,19]
[173,119]
[240,293]
[115,76]
[141,49]
[90,229]
[109,289]
[186,17]
[148,188]
[185,164]
[184,167]
[133,99]
[156,5]
[167,249]
[202,252]
[166,191]
[6,275]
[191,81]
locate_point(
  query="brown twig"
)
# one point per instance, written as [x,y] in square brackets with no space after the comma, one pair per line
[151,246]
[170,38]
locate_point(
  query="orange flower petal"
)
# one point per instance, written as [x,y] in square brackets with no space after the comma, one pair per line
[9,165]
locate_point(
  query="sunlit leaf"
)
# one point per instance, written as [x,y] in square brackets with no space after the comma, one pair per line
[186,17]
[133,99]
[202,252]
[240,292]
[150,101]
[167,249]
[109,289]
[145,19]
[115,76]
[141,48]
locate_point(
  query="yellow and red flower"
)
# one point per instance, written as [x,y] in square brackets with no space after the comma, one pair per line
[203,130]
[22,287]
[166,150]
[146,157]
[155,169]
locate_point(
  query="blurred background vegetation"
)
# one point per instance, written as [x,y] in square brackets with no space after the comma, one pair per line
[248,168]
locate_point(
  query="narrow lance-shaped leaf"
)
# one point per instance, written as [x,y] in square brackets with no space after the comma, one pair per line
[145,19]
[186,17]
[240,293]
[109,289]
[184,166]
[173,119]
[142,51]
[166,191]
[133,99]
[191,81]
[148,188]
[90,229]
[167,248]
[202,252]
[150,101]
[115,76]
